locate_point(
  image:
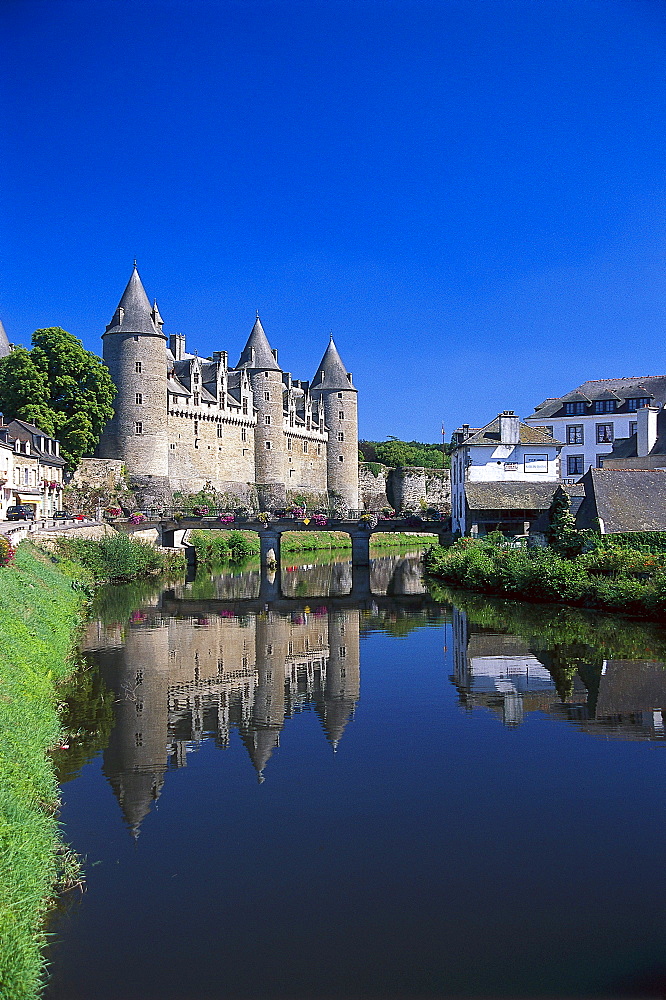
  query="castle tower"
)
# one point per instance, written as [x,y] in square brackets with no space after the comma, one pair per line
[333,385]
[260,362]
[135,353]
[5,348]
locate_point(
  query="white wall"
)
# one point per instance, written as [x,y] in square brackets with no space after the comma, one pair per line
[493,464]
[590,449]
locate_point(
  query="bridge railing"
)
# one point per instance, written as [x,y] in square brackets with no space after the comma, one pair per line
[241,517]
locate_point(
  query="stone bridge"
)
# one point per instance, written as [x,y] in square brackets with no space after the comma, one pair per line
[171,531]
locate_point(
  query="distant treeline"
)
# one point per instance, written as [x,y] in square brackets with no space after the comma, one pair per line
[397,454]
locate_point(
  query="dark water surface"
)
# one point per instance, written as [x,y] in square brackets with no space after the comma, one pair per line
[373,795]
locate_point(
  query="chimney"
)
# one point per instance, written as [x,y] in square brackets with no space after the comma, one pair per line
[647,430]
[509,427]
[177,345]
[465,431]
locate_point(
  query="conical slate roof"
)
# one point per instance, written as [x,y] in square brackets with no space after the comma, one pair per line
[134,313]
[263,356]
[4,342]
[331,373]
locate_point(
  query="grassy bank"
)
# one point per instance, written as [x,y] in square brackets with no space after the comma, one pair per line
[39,617]
[610,577]
[235,546]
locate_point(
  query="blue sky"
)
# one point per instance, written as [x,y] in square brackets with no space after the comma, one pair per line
[470,195]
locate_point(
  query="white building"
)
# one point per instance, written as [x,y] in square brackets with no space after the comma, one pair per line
[502,475]
[31,467]
[592,417]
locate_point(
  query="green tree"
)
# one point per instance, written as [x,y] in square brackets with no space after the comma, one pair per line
[24,390]
[62,388]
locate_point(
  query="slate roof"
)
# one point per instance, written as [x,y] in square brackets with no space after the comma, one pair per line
[24,431]
[134,313]
[331,373]
[509,495]
[4,342]
[624,499]
[490,435]
[263,355]
[621,389]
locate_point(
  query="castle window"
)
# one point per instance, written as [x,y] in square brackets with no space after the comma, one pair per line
[243,434]
[267,396]
[138,737]
[136,340]
[341,458]
[219,430]
[196,427]
[291,419]
[343,650]
[267,419]
[288,444]
[137,367]
[244,404]
[196,399]
[319,449]
[196,378]
[138,427]
[139,399]
[305,447]
[268,446]
[341,436]
[173,447]
[266,375]
[339,395]
[341,415]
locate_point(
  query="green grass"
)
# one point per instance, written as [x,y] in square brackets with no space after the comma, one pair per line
[39,619]
[219,547]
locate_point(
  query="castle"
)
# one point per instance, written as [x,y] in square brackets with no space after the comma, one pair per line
[252,432]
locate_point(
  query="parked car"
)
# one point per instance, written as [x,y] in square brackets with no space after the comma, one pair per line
[21,512]
[60,515]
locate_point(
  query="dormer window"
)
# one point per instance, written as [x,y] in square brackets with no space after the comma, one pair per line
[196,378]
[574,409]
[196,398]
[604,406]
[244,404]
[637,404]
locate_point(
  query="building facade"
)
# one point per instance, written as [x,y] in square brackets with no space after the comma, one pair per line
[182,422]
[31,469]
[592,417]
[501,475]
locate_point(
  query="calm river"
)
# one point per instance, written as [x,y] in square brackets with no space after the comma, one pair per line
[361,795]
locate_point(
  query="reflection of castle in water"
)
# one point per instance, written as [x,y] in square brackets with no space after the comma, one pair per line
[179,681]
[511,677]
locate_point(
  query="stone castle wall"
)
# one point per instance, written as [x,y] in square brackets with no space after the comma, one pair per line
[380,487]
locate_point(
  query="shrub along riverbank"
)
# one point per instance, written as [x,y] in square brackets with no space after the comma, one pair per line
[119,558]
[39,616]
[235,546]
[611,576]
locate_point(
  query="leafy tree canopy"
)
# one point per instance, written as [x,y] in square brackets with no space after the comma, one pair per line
[60,387]
[397,454]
